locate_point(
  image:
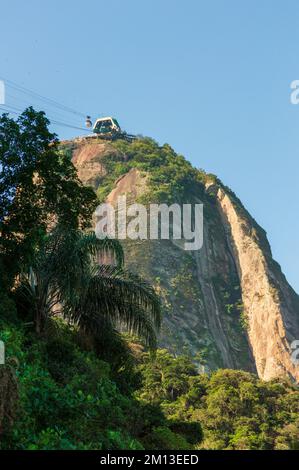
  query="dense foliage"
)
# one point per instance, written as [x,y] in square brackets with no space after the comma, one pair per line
[235,409]
[38,187]
[70,398]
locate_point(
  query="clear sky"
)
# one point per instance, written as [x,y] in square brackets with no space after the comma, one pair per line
[212,78]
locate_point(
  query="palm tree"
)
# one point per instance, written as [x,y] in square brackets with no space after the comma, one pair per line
[66,278]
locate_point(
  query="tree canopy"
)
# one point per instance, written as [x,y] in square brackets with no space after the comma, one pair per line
[39,186]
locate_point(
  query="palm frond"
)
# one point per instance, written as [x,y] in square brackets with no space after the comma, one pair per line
[94,246]
[122,284]
[112,294]
[99,298]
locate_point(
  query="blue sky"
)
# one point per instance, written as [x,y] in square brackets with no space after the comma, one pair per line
[212,78]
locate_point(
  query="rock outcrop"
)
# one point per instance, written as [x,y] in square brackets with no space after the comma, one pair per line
[228,304]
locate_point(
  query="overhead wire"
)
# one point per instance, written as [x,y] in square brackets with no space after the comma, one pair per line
[18,111]
[46,101]
[14,101]
[50,101]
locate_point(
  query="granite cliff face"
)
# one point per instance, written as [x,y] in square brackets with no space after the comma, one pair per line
[228,304]
[271,305]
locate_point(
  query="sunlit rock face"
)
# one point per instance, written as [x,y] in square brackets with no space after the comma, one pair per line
[271,306]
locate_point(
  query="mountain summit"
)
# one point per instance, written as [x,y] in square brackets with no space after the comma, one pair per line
[228,304]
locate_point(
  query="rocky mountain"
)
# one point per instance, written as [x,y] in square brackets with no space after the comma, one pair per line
[227,304]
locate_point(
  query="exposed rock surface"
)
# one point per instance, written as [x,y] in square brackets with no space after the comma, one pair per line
[271,305]
[132,184]
[87,159]
[228,304]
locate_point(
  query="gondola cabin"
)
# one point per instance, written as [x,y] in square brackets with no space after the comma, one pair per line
[106,126]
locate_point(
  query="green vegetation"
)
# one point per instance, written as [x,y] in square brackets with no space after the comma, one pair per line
[68,277]
[234,408]
[72,378]
[171,177]
[50,267]
[39,187]
[70,398]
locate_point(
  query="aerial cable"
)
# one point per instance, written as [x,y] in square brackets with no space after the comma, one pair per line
[64,124]
[7,111]
[16,101]
[13,110]
[50,101]
[41,97]
[48,116]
